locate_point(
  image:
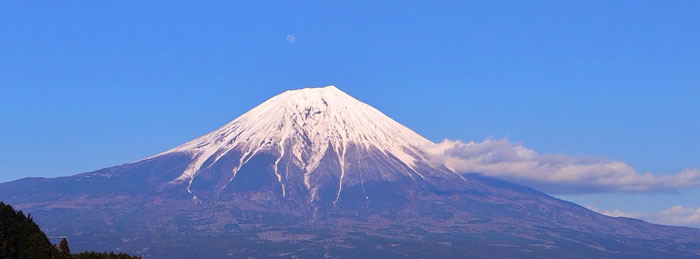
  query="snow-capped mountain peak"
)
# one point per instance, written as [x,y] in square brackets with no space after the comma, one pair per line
[305,123]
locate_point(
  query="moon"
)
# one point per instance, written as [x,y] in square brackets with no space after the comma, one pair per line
[291,39]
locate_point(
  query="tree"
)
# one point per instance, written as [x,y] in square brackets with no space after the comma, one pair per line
[63,249]
[20,237]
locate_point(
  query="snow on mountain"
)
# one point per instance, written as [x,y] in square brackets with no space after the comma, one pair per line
[305,123]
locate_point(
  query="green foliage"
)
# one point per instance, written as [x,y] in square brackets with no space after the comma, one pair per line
[21,238]
[63,249]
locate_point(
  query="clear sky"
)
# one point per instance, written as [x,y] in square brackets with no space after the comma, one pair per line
[91,84]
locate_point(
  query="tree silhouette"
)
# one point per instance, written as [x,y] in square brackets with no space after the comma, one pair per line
[21,238]
[63,249]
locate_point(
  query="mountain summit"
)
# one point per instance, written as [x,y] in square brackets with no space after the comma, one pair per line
[316,173]
[314,139]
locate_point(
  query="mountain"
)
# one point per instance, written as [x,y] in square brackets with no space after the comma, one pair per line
[312,146]
[316,173]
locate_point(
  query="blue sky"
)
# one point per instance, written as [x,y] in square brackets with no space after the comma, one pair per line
[87,85]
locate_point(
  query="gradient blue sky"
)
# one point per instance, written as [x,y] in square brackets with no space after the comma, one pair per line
[91,84]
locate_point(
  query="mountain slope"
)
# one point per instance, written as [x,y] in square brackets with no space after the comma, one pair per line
[315,172]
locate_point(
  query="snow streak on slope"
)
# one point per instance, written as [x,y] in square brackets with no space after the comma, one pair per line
[305,123]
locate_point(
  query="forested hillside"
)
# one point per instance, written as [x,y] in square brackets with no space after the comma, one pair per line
[21,238]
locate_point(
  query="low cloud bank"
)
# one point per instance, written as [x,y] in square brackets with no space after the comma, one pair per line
[555,174]
[677,215]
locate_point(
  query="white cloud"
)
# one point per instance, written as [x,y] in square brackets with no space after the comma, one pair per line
[290,38]
[560,174]
[618,213]
[677,215]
